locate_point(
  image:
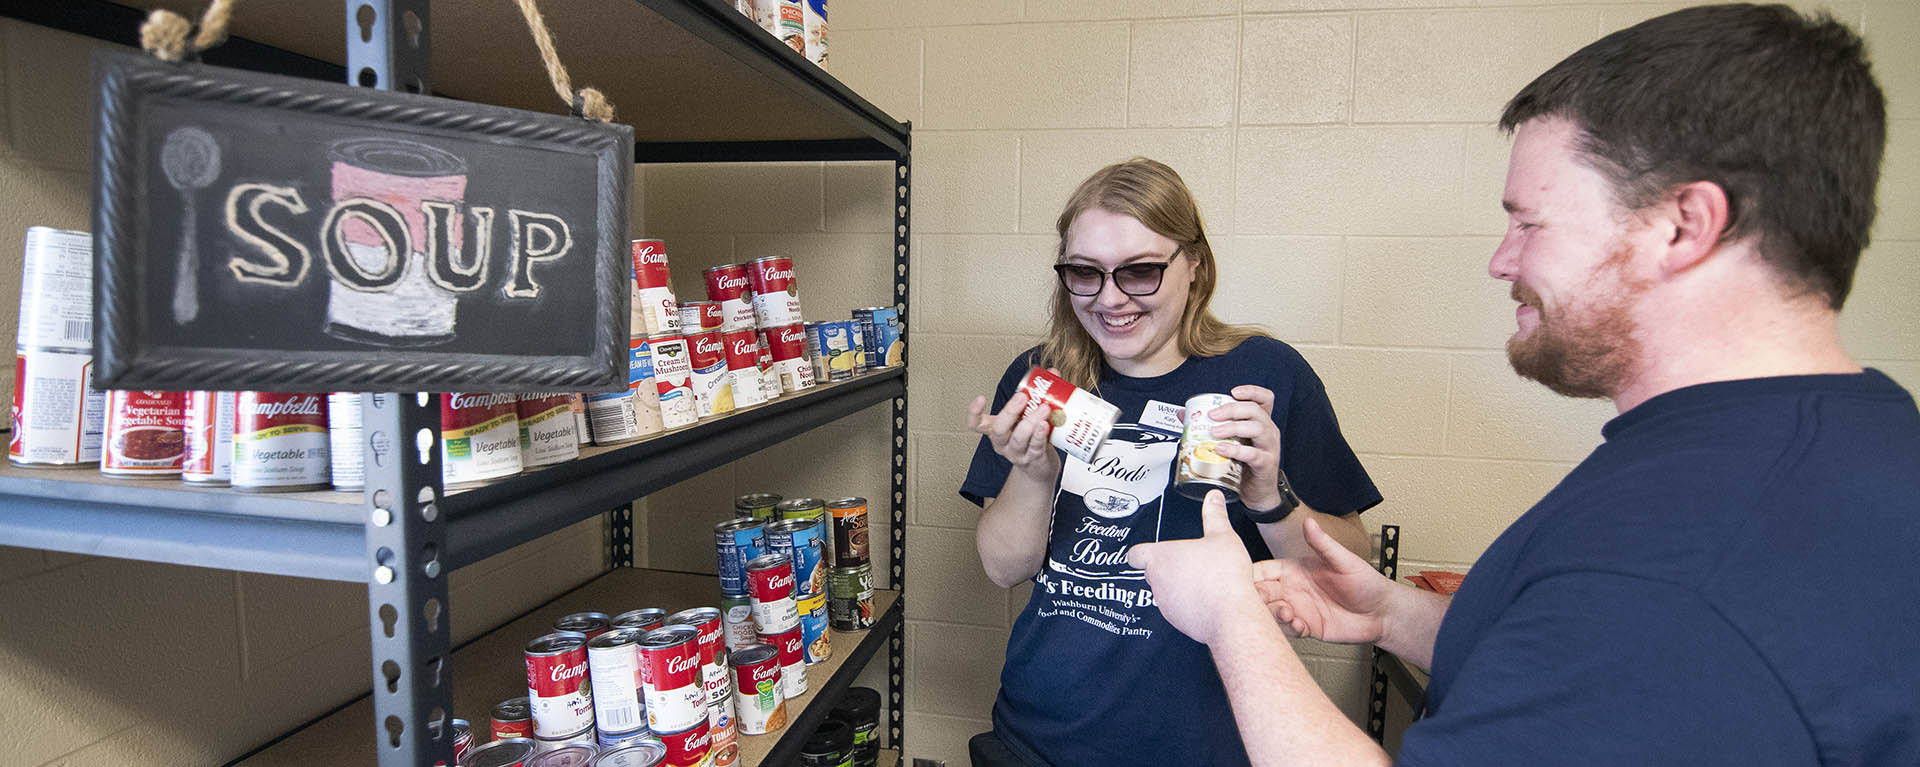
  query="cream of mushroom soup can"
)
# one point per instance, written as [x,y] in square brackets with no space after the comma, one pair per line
[673,380]
[1080,420]
[1199,467]
[479,437]
[280,442]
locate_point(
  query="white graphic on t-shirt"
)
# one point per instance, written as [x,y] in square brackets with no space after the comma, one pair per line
[1108,505]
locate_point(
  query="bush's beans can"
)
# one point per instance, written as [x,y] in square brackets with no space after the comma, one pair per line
[759,701]
[849,531]
[801,508]
[787,345]
[688,747]
[642,753]
[613,667]
[558,693]
[280,442]
[742,348]
[813,628]
[590,624]
[804,541]
[731,288]
[508,752]
[698,316]
[713,672]
[613,741]
[653,290]
[670,673]
[735,542]
[462,740]
[58,417]
[776,294]
[648,618]
[512,718]
[1080,420]
[769,379]
[832,345]
[755,506]
[850,598]
[146,435]
[673,380]
[1200,467]
[209,438]
[546,429]
[712,385]
[479,438]
[736,611]
[791,648]
[770,583]
[880,336]
[566,753]
[346,431]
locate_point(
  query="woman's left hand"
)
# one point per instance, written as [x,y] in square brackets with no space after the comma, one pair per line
[1250,418]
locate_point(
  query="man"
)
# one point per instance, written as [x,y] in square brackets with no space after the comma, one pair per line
[1724,580]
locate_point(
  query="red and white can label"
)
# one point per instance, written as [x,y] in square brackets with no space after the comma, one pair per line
[776,295]
[1080,420]
[346,429]
[686,748]
[145,433]
[771,587]
[671,676]
[280,441]
[557,688]
[712,386]
[760,699]
[696,316]
[732,287]
[791,649]
[58,417]
[653,301]
[719,704]
[56,291]
[546,429]
[743,362]
[769,380]
[613,665]
[673,380]
[479,437]
[209,438]
[787,345]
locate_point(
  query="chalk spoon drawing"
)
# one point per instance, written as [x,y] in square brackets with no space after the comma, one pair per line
[403,179]
[190,158]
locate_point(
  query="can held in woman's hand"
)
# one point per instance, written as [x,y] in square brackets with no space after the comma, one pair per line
[1080,420]
[1200,466]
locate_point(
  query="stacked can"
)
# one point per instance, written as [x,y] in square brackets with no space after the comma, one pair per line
[760,701]
[731,286]
[776,294]
[712,385]
[646,618]
[850,581]
[857,339]
[880,336]
[676,693]
[617,740]
[559,696]
[698,316]
[569,754]
[722,738]
[613,666]
[742,348]
[653,304]
[775,616]
[346,430]
[641,753]
[859,707]
[546,430]
[769,379]
[479,438]
[58,417]
[145,437]
[590,624]
[756,506]
[736,542]
[509,752]
[787,350]
[209,438]
[673,380]
[804,541]
[462,740]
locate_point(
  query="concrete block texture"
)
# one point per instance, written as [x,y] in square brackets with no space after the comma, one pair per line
[965,183]
[1296,69]
[1899,183]
[986,283]
[883,66]
[1454,65]
[1181,73]
[1053,163]
[1288,285]
[1387,400]
[942,738]
[1882,318]
[1493,413]
[1371,180]
[734,198]
[964,595]
[1415,291]
[1890,27]
[1027,76]
[953,669]
[897,14]
[50,95]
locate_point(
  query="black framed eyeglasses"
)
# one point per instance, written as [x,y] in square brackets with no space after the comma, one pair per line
[1136,279]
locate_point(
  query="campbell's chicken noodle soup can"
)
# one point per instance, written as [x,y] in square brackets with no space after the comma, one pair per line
[479,437]
[546,429]
[736,542]
[743,363]
[512,718]
[732,288]
[712,382]
[653,297]
[613,667]
[145,434]
[1199,466]
[559,696]
[590,624]
[849,518]
[736,613]
[648,618]
[696,316]
[787,347]
[209,438]
[760,703]
[670,672]
[776,294]
[280,442]
[59,419]
[791,647]
[770,584]
[1080,420]
[769,378]
[804,541]
[688,747]
[813,628]
[346,434]
[673,380]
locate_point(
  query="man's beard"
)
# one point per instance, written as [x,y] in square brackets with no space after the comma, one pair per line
[1586,351]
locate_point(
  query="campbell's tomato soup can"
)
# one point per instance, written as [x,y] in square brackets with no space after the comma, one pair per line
[770,583]
[346,432]
[558,693]
[1080,420]
[676,691]
[688,747]
[546,429]
[743,363]
[713,670]
[769,380]
[696,316]
[58,417]
[145,433]
[791,647]
[654,307]
[209,438]
[479,437]
[731,287]
[776,295]
[280,442]
[673,380]
[613,665]
[636,753]
[510,752]
[648,618]
[712,384]
[787,347]
[760,703]
[590,624]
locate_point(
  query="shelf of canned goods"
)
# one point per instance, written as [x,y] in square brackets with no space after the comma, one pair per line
[699,82]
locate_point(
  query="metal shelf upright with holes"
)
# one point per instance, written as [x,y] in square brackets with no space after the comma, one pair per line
[713,87]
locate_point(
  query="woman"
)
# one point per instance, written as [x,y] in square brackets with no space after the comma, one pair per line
[1094,675]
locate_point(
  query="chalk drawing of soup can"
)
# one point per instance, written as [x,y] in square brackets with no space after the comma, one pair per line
[400,177]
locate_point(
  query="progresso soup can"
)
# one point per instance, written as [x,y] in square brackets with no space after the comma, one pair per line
[755,506]
[280,442]
[736,542]
[479,438]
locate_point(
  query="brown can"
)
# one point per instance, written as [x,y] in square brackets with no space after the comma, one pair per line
[849,531]
[280,442]
[145,436]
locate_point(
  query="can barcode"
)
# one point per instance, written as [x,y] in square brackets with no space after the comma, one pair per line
[619,719]
[78,331]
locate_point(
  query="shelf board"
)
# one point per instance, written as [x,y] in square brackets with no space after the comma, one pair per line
[321,534]
[679,71]
[489,669]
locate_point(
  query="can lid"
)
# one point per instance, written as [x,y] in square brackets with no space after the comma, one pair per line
[790,525]
[501,753]
[556,643]
[831,738]
[800,504]
[669,636]
[645,616]
[721,268]
[657,337]
[616,638]
[765,561]
[768,258]
[694,616]
[756,500]
[857,705]
[752,654]
[847,502]
[583,622]
[739,523]
[575,755]
[513,709]
[644,753]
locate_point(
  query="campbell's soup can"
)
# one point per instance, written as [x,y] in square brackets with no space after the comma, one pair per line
[462,740]
[769,378]
[209,438]
[479,437]
[787,347]
[512,718]
[760,703]
[696,316]
[688,747]
[832,347]
[770,583]
[776,295]
[559,695]
[850,598]
[58,417]
[1199,467]
[589,623]
[713,670]
[566,752]
[508,752]
[813,628]
[615,741]
[791,647]
[736,542]
[743,364]
[804,541]
[712,385]
[849,519]
[731,287]
[346,432]
[145,433]
[613,666]
[650,752]
[546,429]
[648,618]
[280,442]
[1080,420]
[653,301]
[673,380]
[670,672]
[736,611]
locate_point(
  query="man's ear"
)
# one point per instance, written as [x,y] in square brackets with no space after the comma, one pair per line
[1698,214]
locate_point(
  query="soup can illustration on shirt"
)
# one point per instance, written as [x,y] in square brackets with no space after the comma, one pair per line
[1200,467]
[776,294]
[1080,420]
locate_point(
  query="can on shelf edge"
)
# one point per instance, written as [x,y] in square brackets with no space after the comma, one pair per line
[713,669]
[209,438]
[673,380]
[559,695]
[787,345]
[776,293]
[698,316]
[688,747]
[850,598]
[502,752]
[280,442]
[546,429]
[813,629]
[653,302]
[712,384]
[670,674]
[850,530]
[760,702]
[479,438]
[146,436]
[58,417]
[742,349]
[511,718]
[346,430]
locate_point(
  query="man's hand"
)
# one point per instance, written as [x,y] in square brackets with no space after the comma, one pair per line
[1202,584]
[1328,593]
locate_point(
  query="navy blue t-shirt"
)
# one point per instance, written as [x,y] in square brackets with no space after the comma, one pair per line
[1726,580]
[1094,675]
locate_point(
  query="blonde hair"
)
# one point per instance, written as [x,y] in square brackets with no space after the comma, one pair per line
[1154,195]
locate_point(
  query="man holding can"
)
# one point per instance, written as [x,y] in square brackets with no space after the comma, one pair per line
[1688,199]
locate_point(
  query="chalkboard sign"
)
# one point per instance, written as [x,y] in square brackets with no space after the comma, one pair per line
[268,233]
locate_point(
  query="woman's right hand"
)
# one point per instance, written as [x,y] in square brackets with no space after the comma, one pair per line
[1018,436]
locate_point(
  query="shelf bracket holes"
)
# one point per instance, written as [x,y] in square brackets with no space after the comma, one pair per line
[431,613]
[391,672]
[365,18]
[394,729]
[389,617]
[423,441]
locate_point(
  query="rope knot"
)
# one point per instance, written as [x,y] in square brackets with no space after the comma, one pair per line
[164,34]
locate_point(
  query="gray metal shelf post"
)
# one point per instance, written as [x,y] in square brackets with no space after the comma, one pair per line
[902,250]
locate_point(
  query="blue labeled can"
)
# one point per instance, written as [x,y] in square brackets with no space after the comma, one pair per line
[831,344]
[804,541]
[880,334]
[813,628]
[736,542]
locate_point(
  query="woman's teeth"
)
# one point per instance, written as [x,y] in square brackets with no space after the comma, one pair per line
[1119,321]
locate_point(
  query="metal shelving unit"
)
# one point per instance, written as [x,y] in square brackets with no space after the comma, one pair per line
[699,83]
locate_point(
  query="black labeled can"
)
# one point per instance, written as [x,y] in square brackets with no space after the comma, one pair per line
[850,598]
[859,707]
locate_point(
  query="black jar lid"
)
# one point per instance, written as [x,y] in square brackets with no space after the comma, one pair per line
[832,738]
[857,705]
